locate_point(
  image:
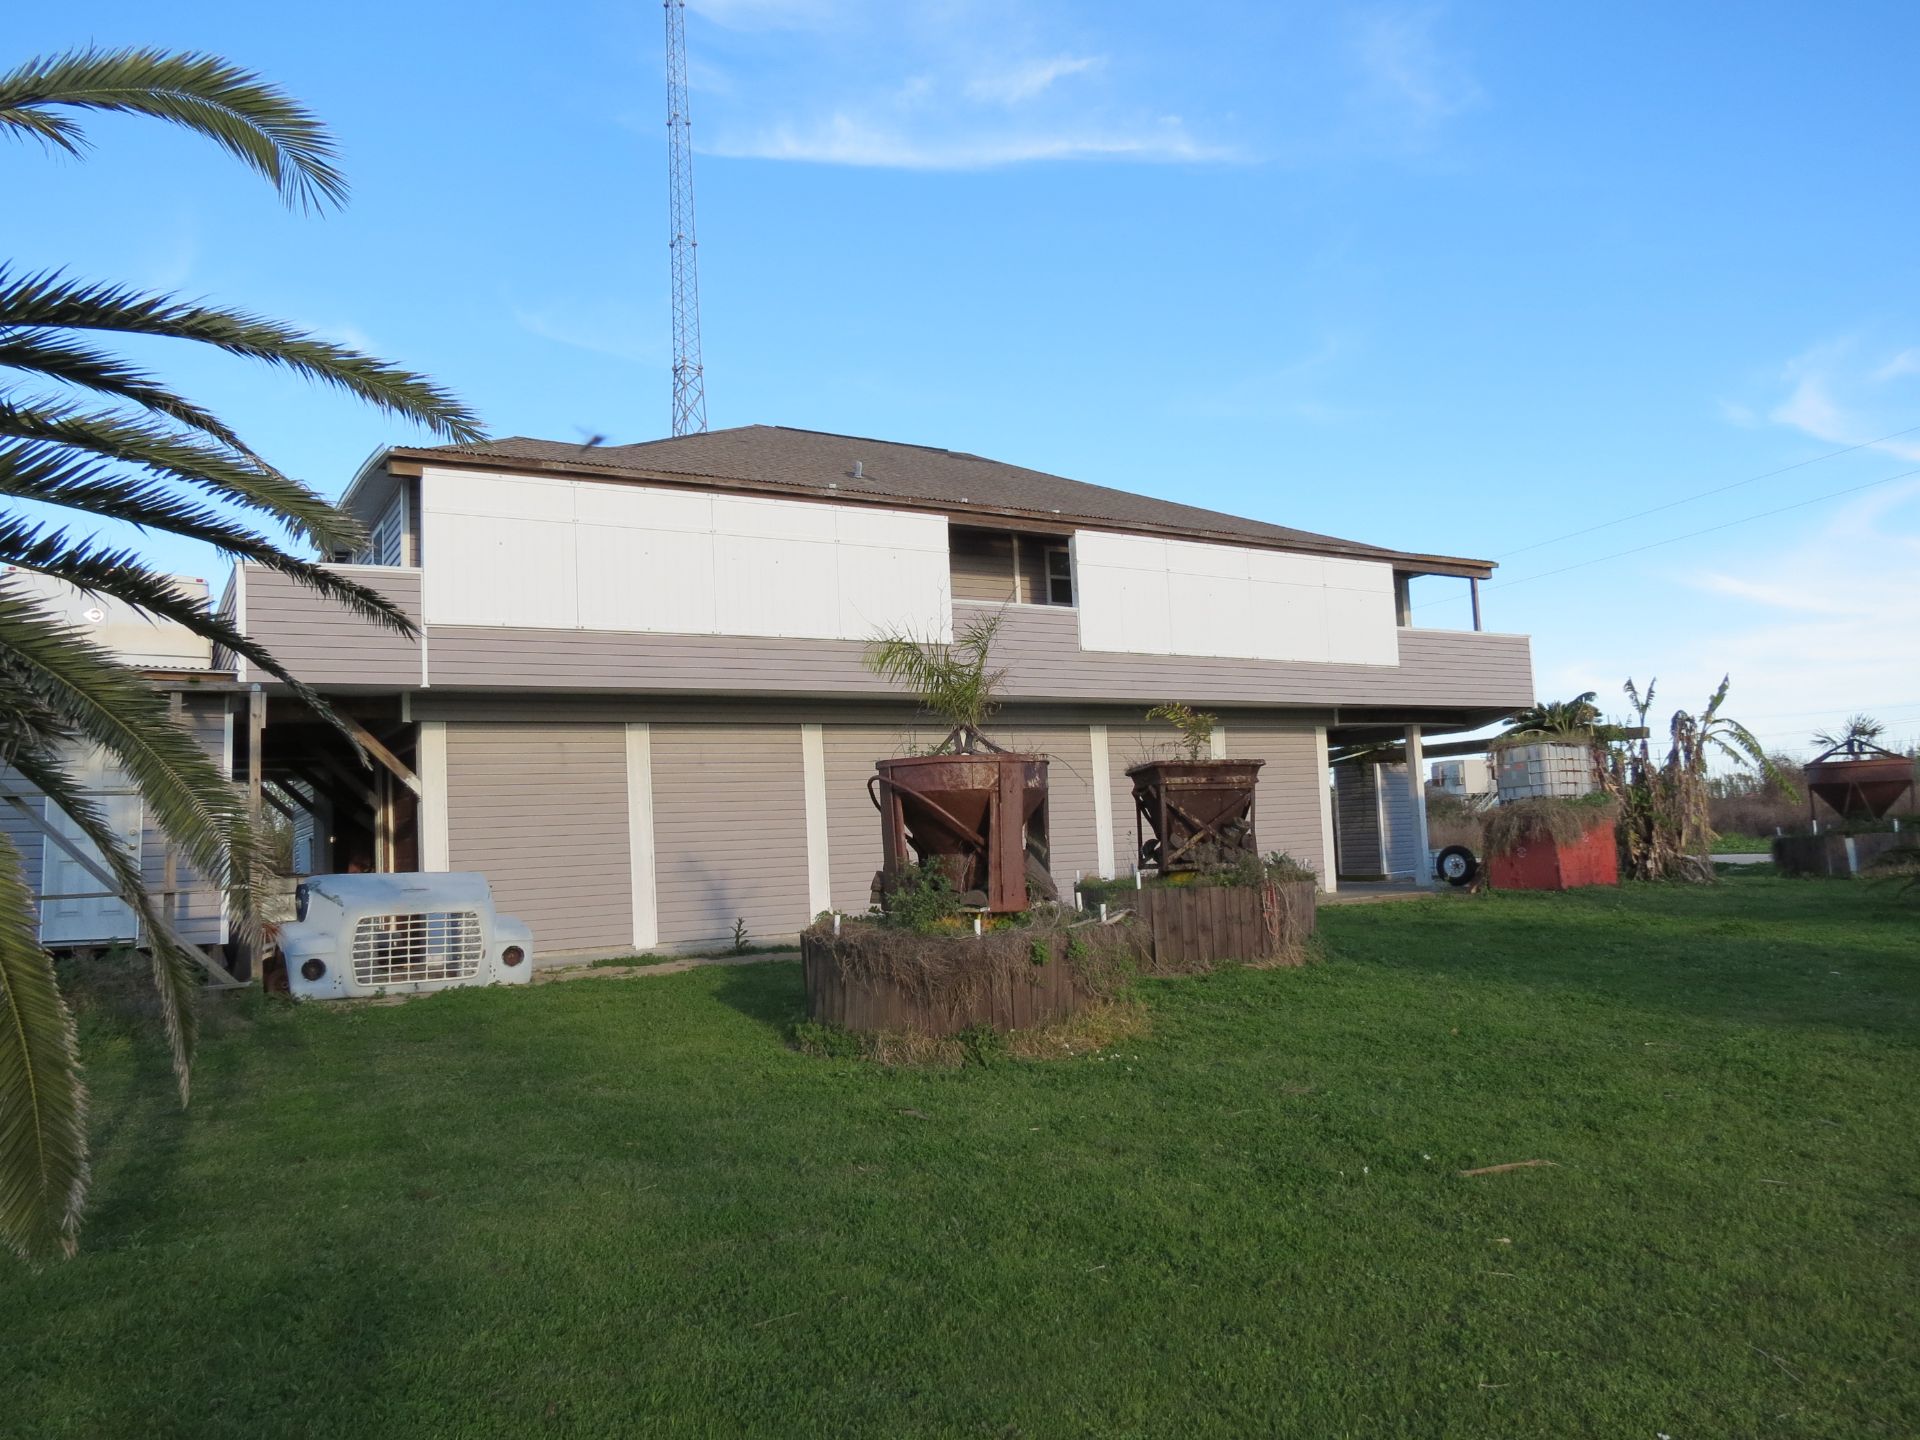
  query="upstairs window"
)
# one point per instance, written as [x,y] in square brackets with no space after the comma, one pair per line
[1059,576]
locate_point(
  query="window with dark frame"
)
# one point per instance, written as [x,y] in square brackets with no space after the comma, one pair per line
[1059,576]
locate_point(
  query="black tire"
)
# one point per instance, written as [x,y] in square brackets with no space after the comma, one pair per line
[1456,865]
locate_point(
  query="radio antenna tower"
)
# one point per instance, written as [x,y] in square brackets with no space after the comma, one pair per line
[689,376]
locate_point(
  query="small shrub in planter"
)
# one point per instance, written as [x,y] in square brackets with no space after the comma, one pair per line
[976,809]
[1191,806]
[1553,843]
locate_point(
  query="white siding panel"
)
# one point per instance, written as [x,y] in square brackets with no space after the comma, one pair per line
[500,570]
[1224,601]
[539,553]
[659,580]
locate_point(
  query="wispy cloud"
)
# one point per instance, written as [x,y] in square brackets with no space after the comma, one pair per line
[1025,80]
[1409,77]
[1846,392]
[599,332]
[846,139]
[965,85]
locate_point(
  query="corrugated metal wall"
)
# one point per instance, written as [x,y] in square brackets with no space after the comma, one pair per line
[1406,849]
[729,832]
[199,910]
[1356,819]
[541,810]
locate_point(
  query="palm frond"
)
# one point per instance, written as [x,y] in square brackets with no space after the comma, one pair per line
[55,357]
[50,299]
[257,123]
[77,483]
[125,576]
[950,679]
[157,448]
[176,975]
[43,1104]
[102,701]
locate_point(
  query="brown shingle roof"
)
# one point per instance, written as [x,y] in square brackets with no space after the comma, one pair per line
[819,464]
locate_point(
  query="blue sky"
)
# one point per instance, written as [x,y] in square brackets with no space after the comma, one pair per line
[1462,278]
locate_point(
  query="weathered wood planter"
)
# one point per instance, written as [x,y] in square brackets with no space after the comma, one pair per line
[1544,863]
[872,978]
[858,982]
[1192,812]
[978,815]
[1192,927]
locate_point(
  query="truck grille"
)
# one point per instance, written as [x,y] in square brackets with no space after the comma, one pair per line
[418,946]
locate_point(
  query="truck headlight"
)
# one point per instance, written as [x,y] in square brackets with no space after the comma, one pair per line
[512,955]
[312,968]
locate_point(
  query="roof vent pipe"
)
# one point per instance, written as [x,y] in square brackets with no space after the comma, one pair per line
[858,471]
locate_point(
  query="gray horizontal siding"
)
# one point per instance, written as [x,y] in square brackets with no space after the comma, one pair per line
[729,832]
[853,824]
[1129,745]
[1287,802]
[541,810]
[1071,833]
[981,565]
[326,644]
[1038,645]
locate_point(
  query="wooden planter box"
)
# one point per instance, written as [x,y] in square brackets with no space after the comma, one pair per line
[1174,930]
[1019,996]
[1545,864]
[1193,927]
[1191,812]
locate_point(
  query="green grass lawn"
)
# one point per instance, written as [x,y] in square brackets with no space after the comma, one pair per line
[625,1207]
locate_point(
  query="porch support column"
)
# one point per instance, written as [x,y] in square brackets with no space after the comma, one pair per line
[1323,780]
[436,839]
[813,770]
[1473,590]
[646,898]
[1417,801]
[1102,768]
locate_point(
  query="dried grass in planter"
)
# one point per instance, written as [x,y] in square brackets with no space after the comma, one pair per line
[1562,819]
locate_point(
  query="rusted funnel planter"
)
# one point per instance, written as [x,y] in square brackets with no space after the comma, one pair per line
[978,815]
[1859,780]
[1193,812]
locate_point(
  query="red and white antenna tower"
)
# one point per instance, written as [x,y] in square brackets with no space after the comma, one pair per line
[689,376]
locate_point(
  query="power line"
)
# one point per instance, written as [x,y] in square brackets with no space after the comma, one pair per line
[1692,534]
[1703,494]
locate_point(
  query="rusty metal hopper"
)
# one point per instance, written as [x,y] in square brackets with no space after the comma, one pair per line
[1193,811]
[978,815]
[1861,785]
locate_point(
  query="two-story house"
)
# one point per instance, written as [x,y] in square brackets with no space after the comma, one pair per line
[638,701]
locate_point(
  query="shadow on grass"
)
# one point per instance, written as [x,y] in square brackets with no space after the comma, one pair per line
[1808,954]
[772,994]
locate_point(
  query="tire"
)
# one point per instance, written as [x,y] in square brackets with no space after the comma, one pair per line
[1456,865]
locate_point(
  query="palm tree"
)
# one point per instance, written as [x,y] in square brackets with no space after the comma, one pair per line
[1859,733]
[951,679]
[84,431]
[1556,719]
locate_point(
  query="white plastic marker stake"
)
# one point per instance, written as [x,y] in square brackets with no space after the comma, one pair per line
[1103,912]
[976,927]
[1079,901]
[1136,879]
[836,924]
